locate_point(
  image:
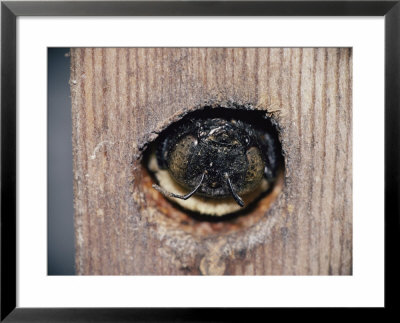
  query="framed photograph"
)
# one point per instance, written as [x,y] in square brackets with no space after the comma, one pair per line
[177,155]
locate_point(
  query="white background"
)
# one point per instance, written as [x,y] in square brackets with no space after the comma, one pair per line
[363,288]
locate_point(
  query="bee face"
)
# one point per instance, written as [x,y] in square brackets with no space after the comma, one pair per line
[217,157]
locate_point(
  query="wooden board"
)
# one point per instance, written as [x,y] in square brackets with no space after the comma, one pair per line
[121,99]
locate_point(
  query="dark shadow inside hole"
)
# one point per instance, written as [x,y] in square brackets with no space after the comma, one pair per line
[257,119]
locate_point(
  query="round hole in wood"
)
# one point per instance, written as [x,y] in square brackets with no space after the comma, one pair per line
[248,135]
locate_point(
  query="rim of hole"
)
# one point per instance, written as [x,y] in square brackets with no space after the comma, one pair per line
[171,215]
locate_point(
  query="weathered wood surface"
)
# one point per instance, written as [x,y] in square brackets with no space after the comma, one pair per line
[122,97]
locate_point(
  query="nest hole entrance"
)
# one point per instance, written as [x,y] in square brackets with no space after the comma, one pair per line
[203,215]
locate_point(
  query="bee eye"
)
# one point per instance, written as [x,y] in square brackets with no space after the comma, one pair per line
[179,157]
[255,169]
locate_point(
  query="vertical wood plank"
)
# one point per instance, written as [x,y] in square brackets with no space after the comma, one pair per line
[121,99]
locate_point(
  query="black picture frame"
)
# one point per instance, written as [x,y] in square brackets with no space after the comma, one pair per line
[10,10]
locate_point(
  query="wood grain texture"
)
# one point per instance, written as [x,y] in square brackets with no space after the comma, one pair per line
[121,99]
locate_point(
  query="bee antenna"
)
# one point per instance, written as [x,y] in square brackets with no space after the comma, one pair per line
[182,197]
[234,194]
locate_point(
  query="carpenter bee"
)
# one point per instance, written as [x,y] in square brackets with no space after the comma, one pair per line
[217,155]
